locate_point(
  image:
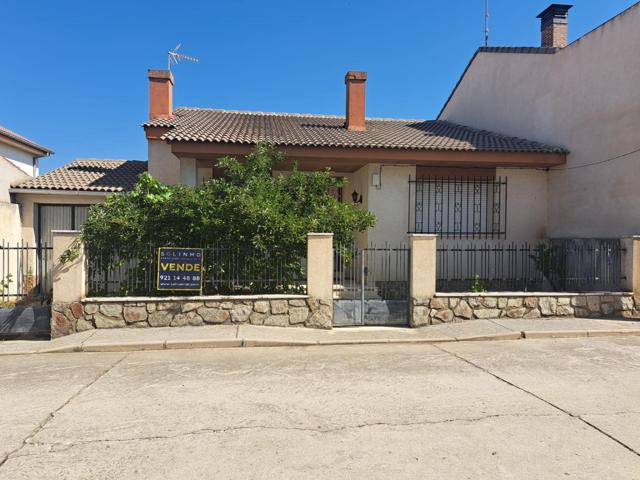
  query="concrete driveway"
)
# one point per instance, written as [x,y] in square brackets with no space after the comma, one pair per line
[538,409]
[25,323]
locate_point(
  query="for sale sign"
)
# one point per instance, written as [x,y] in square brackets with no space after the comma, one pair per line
[179,268]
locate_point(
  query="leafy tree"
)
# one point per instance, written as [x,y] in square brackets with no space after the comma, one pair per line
[248,209]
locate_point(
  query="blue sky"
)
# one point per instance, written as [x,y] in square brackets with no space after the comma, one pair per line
[74,73]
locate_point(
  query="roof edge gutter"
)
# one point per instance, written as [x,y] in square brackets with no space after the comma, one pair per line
[60,192]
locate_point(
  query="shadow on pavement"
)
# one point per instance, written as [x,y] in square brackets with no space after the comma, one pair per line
[25,323]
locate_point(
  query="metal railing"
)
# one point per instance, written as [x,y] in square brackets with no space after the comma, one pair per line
[226,271]
[25,270]
[567,265]
[455,207]
[372,272]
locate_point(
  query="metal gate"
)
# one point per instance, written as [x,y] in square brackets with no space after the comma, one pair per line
[371,286]
[25,271]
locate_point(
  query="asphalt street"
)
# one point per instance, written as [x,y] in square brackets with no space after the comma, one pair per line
[535,409]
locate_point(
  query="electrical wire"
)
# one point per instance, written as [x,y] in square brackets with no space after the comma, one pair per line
[596,163]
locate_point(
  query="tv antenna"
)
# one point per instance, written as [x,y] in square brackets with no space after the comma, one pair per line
[486,23]
[174,57]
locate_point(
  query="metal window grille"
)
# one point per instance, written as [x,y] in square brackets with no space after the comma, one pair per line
[454,207]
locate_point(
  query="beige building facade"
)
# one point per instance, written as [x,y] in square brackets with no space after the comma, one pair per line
[583,97]
[415,176]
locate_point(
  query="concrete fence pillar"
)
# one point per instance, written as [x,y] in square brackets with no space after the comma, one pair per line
[631,264]
[422,277]
[69,285]
[320,279]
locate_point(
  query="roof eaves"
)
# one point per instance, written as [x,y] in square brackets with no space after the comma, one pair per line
[542,148]
[17,138]
[58,191]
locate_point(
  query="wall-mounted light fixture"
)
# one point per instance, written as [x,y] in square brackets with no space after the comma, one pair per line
[356,197]
[375,179]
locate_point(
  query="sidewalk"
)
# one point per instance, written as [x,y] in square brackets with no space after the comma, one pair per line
[229,336]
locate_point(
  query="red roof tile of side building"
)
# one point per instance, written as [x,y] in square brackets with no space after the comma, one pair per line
[87,175]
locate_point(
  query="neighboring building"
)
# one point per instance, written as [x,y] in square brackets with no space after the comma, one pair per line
[18,162]
[583,96]
[414,175]
[19,159]
[60,199]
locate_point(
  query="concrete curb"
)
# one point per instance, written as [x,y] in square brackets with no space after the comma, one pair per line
[242,343]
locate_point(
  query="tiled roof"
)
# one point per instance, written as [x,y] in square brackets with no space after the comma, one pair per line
[89,175]
[537,50]
[5,132]
[284,129]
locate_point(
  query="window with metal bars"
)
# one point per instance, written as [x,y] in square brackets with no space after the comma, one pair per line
[457,207]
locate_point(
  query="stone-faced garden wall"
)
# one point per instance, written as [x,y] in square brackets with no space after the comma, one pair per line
[460,307]
[272,310]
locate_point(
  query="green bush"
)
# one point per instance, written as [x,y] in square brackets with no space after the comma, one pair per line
[247,209]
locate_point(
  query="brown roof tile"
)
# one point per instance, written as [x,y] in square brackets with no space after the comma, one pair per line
[284,129]
[89,175]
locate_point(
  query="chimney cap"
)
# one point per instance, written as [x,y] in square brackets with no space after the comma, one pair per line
[160,75]
[353,75]
[555,11]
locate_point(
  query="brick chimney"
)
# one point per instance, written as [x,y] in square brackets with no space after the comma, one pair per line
[160,94]
[355,82]
[554,24]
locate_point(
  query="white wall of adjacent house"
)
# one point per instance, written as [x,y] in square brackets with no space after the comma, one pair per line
[163,165]
[585,98]
[11,171]
[20,159]
[10,174]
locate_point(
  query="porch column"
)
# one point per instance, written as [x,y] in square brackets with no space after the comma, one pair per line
[320,279]
[631,264]
[69,286]
[422,277]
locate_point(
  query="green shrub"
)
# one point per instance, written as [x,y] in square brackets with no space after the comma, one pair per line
[247,209]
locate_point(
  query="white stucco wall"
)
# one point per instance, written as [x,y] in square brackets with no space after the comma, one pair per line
[526,203]
[389,203]
[9,174]
[9,222]
[163,165]
[526,212]
[21,159]
[586,98]
[188,172]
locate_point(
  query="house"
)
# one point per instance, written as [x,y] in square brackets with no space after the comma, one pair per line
[511,157]
[419,176]
[583,96]
[60,199]
[19,159]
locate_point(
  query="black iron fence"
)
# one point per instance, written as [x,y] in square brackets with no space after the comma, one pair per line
[558,265]
[372,272]
[454,207]
[25,270]
[226,271]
